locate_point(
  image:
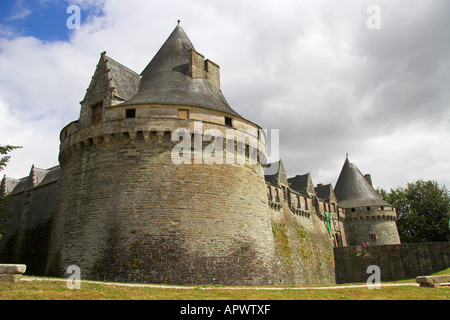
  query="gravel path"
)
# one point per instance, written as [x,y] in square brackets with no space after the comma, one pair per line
[224,287]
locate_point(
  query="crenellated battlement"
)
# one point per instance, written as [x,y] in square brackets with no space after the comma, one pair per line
[164,130]
[374,214]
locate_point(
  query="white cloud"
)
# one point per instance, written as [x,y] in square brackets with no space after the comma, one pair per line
[311,69]
[39,140]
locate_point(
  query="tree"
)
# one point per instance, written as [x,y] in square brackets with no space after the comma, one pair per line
[423,211]
[4,150]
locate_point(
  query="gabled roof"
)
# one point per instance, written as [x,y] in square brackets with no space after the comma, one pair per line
[302,184]
[166,79]
[111,77]
[353,190]
[37,178]
[275,175]
[325,192]
[124,81]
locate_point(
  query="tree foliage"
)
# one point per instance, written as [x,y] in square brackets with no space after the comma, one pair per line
[423,211]
[4,158]
[4,150]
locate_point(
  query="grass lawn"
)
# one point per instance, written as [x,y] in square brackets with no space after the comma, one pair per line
[57,290]
[53,289]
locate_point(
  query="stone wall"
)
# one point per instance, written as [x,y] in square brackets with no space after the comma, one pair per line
[396,262]
[29,223]
[127,213]
[304,249]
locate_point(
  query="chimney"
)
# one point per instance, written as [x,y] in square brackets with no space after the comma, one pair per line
[212,72]
[369,179]
[196,67]
[199,68]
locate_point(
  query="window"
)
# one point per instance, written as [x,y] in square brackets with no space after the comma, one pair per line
[306,204]
[228,122]
[284,193]
[96,115]
[130,113]
[372,237]
[277,196]
[353,209]
[183,114]
[269,192]
[368,208]
[298,202]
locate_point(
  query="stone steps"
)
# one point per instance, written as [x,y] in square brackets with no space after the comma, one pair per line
[11,272]
[433,281]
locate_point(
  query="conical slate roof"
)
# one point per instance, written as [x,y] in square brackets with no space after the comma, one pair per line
[166,80]
[353,190]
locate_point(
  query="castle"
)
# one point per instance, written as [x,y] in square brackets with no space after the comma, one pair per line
[120,208]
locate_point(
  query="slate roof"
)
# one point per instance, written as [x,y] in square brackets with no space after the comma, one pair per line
[353,190]
[302,184]
[325,192]
[43,177]
[275,174]
[124,80]
[165,80]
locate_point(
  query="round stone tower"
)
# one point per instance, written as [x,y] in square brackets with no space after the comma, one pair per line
[369,219]
[160,179]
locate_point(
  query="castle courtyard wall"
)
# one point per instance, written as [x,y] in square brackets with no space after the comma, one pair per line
[29,219]
[396,261]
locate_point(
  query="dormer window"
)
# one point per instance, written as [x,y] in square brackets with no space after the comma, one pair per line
[96,115]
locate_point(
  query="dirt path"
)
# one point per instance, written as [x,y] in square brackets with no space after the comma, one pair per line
[223,287]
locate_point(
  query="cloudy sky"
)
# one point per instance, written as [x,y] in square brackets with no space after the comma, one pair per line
[367,78]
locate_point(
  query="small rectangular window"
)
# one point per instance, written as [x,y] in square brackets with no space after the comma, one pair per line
[372,237]
[96,114]
[183,114]
[130,113]
[368,208]
[228,122]
[353,209]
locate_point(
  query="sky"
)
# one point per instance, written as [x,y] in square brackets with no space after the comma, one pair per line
[367,78]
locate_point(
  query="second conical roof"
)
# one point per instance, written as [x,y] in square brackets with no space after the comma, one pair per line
[353,190]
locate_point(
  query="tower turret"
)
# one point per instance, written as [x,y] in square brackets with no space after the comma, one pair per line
[368,217]
[128,212]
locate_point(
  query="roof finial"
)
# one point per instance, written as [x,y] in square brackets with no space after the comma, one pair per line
[178,22]
[346,156]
